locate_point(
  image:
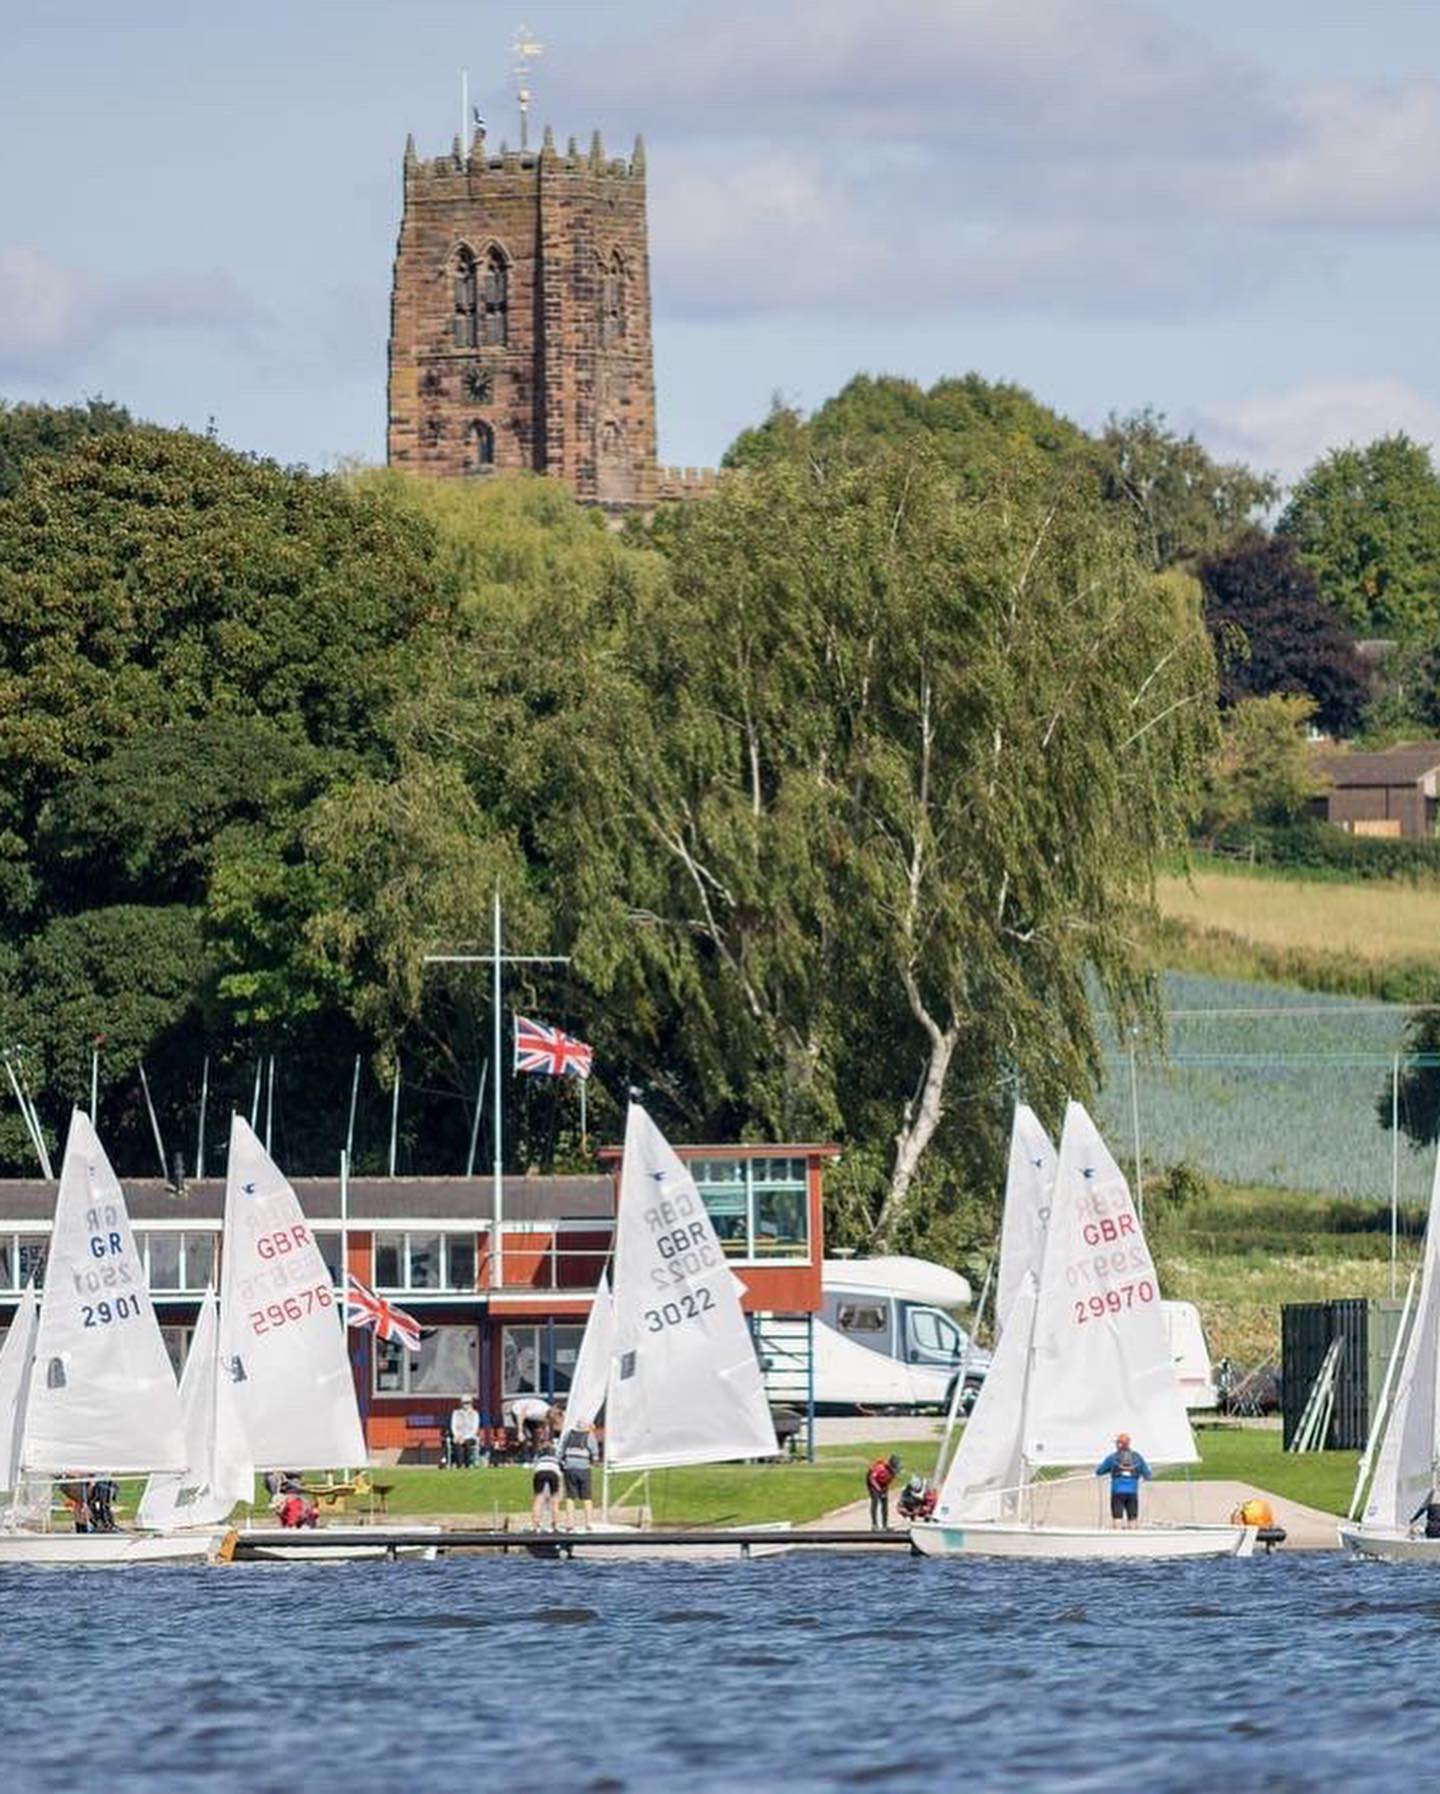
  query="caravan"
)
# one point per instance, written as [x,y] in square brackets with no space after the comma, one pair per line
[886,1336]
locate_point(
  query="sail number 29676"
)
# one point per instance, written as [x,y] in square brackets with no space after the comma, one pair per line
[1114,1301]
[688,1307]
[293,1308]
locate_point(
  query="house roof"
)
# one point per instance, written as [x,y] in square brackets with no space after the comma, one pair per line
[1405,764]
[374,1201]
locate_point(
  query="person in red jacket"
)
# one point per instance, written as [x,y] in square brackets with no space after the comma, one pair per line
[878,1479]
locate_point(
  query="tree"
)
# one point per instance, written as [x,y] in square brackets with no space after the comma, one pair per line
[27,431]
[1289,639]
[1367,521]
[1183,504]
[1263,771]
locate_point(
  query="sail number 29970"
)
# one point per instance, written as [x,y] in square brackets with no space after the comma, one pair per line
[1114,1301]
[688,1307]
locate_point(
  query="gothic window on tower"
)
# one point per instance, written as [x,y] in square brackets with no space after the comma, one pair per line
[467,299]
[494,322]
[482,447]
[612,299]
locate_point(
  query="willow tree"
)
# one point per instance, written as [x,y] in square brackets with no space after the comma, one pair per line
[902,765]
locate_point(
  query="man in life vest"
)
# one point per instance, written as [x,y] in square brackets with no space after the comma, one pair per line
[878,1479]
[1126,1470]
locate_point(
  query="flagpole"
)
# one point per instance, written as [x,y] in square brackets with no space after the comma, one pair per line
[345,1266]
[497,1194]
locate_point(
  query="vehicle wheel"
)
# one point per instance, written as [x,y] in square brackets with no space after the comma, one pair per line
[970,1394]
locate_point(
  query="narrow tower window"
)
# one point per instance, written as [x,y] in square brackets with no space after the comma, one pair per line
[467,299]
[612,300]
[482,447]
[497,299]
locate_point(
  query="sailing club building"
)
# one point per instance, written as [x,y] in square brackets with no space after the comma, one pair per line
[493,1325]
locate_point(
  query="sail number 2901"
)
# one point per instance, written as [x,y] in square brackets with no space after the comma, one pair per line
[118,1308]
[293,1308]
[1127,1295]
[688,1307]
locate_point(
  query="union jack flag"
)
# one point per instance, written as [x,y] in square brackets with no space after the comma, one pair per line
[538,1048]
[363,1308]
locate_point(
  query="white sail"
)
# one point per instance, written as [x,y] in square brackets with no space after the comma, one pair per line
[685,1385]
[220,1472]
[1405,1470]
[16,1356]
[1029,1182]
[282,1341]
[986,1473]
[102,1396]
[592,1363]
[1101,1362]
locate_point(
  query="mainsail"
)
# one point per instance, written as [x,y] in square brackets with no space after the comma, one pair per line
[1101,1361]
[1029,1184]
[592,1363]
[282,1343]
[220,1472]
[17,1355]
[1405,1473]
[685,1385]
[102,1396]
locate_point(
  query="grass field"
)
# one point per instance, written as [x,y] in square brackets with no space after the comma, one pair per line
[1375,922]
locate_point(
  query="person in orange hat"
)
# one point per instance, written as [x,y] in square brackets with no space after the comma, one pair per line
[1126,1470]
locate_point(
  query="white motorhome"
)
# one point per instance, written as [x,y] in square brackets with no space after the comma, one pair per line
[887,1337]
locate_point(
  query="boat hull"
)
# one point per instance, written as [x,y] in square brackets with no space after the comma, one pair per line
[1386,1545]
[999,1539]
[111,1550]
[269,1545]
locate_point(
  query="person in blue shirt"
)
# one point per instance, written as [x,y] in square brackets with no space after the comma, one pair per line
[1126,1469]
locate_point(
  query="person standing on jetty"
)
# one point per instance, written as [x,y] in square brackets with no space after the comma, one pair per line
[578,1452]
[1126,1470]
[545,1485]
[878,1479]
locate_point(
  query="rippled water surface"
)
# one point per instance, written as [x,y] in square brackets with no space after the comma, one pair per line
[798,1672]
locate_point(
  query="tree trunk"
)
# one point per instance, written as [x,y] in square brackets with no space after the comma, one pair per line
[922,1117]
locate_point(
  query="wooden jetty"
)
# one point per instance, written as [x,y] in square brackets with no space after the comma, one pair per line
[394,1541]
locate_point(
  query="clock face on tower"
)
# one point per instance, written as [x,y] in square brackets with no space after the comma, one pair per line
[479,384]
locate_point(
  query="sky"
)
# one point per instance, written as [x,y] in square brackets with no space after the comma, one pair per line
[1229,211]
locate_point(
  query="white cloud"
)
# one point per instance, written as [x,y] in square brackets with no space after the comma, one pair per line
[1287,431]
[1361,159]
[54,318]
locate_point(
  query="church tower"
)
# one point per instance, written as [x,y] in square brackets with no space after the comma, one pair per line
[520,320]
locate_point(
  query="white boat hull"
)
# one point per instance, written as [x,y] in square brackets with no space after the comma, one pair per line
[109,1550]
[1388,1545]
[270,1545]
[1001,1539]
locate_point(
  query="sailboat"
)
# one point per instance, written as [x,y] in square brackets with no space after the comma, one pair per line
[685,1385]
[1406,1473]
[267,1385]
[586,1396]
[86,1386]
[1082,1354]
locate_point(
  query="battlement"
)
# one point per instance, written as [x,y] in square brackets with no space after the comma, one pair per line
[477,160]
[678,484]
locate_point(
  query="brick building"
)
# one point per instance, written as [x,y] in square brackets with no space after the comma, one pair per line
[520,320]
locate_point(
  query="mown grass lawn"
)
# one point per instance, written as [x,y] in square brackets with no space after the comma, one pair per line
[1371,920]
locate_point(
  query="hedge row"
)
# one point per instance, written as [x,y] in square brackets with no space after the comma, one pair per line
[1320,847]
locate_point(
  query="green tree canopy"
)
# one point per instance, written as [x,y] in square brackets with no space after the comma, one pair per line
[1367,520]
[1182,502]
[27,431]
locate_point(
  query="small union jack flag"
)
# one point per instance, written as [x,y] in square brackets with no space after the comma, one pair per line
[538,1048]
[363,1308]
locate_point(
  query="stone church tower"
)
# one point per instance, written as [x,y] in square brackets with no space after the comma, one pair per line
[520,320]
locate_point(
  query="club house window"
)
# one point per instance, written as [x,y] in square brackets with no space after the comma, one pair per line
[448,1363]
[526,1366]
[22,1256]
[759,1206]
[177,1260]
[425,1261]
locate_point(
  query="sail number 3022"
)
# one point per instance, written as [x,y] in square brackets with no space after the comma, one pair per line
[293,1308]
[1114,1301]
[688,1307]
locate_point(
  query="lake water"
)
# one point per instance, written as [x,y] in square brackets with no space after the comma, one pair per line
[797,1672]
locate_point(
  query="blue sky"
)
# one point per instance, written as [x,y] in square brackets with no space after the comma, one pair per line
[1230,210]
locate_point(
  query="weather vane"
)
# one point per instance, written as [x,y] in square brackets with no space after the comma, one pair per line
[526,48]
